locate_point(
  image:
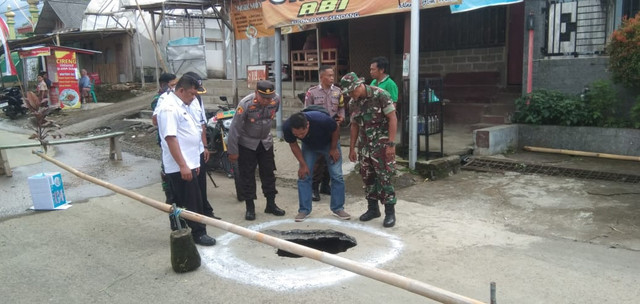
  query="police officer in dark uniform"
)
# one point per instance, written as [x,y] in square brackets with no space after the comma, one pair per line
[250,144]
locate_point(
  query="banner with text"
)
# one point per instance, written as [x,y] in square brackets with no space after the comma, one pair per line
[66,65]
[469,5]
[246,16]
[279,13]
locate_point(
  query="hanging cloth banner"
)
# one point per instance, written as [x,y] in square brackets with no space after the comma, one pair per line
[468,5]
[10,68]
[246,16]
[280,13]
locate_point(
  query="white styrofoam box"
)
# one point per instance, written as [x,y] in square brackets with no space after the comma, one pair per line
[47,191]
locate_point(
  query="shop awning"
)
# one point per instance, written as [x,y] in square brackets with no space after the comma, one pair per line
[42,50]
[287,13]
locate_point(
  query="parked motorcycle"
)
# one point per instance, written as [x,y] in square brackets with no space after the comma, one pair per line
[11,102]
[217,132]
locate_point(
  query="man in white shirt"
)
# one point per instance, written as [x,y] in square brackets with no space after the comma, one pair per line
[181,134]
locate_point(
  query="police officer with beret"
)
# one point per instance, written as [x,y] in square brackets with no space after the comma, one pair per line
[250,144]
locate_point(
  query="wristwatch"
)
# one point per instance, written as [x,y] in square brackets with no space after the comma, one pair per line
[390,144]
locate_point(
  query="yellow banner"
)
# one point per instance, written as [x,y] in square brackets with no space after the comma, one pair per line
[280,13]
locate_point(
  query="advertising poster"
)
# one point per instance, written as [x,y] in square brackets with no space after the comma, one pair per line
[66,66]
[280,13]
[246,16]
[255,73]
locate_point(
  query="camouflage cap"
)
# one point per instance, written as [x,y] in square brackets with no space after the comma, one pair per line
[350,82]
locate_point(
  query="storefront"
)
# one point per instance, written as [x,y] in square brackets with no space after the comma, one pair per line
[61,65]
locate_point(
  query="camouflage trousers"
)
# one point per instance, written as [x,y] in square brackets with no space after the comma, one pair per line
[376,172]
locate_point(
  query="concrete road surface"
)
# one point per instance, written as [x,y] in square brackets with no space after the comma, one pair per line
[541,239]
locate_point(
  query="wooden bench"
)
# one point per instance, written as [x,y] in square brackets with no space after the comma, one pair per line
[115,150]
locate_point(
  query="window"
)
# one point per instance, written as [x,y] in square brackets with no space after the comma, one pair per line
[630,7]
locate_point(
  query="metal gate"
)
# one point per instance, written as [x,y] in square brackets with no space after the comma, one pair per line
[576,27]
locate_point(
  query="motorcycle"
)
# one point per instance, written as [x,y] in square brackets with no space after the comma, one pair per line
[217,131]
[11,102]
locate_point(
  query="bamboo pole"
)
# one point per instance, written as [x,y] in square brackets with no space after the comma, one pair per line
[582,153]
[417,287]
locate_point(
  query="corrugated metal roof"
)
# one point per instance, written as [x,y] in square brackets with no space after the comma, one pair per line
[68,12]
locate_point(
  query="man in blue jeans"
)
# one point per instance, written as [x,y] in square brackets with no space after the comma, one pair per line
[319,134]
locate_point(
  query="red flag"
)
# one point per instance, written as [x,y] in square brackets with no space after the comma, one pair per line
[9,69]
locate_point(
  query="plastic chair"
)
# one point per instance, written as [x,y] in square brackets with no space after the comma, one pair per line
[93,92]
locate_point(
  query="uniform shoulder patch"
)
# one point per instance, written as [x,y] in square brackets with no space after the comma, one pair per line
[240,110]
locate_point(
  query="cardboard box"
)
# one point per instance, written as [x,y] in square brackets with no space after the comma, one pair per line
[47,191]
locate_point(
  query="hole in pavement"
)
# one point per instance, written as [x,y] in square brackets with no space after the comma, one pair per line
[328,240]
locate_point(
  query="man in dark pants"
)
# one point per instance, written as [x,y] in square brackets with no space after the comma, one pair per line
[198,111]
[181,137]
[250,144]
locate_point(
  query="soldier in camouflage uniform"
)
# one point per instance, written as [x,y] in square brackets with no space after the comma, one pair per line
[373,127]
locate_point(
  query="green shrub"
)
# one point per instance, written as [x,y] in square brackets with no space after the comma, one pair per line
[635,114]
[543,107]
[602,105]
[624,53]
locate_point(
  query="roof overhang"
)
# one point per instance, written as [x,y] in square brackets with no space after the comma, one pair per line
[45,50]
[50,39]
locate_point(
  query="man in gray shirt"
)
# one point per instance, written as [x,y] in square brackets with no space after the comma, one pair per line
[250,144]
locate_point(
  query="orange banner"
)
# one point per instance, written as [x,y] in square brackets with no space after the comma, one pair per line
[280,13]
[248,21]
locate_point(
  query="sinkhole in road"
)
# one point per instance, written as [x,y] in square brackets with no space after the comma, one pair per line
[327,240]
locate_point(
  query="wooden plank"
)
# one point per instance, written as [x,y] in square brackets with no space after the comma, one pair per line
[5,168]
[115,150]
[62,142]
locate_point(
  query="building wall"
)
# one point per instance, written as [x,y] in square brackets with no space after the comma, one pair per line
[370,37]
[468,60]
[115,64]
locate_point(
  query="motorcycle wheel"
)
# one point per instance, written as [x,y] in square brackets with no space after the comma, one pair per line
[10,113]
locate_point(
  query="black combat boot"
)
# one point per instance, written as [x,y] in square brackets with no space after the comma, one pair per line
[250,215]
[373,210]
[389,215]
[272,208]
[315,196]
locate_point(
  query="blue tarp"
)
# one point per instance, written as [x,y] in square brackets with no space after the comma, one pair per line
[184,41]
[468,5]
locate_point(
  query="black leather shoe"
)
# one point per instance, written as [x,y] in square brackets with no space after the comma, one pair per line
[250,215]
[316,196]
[274,210]
[204,240]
